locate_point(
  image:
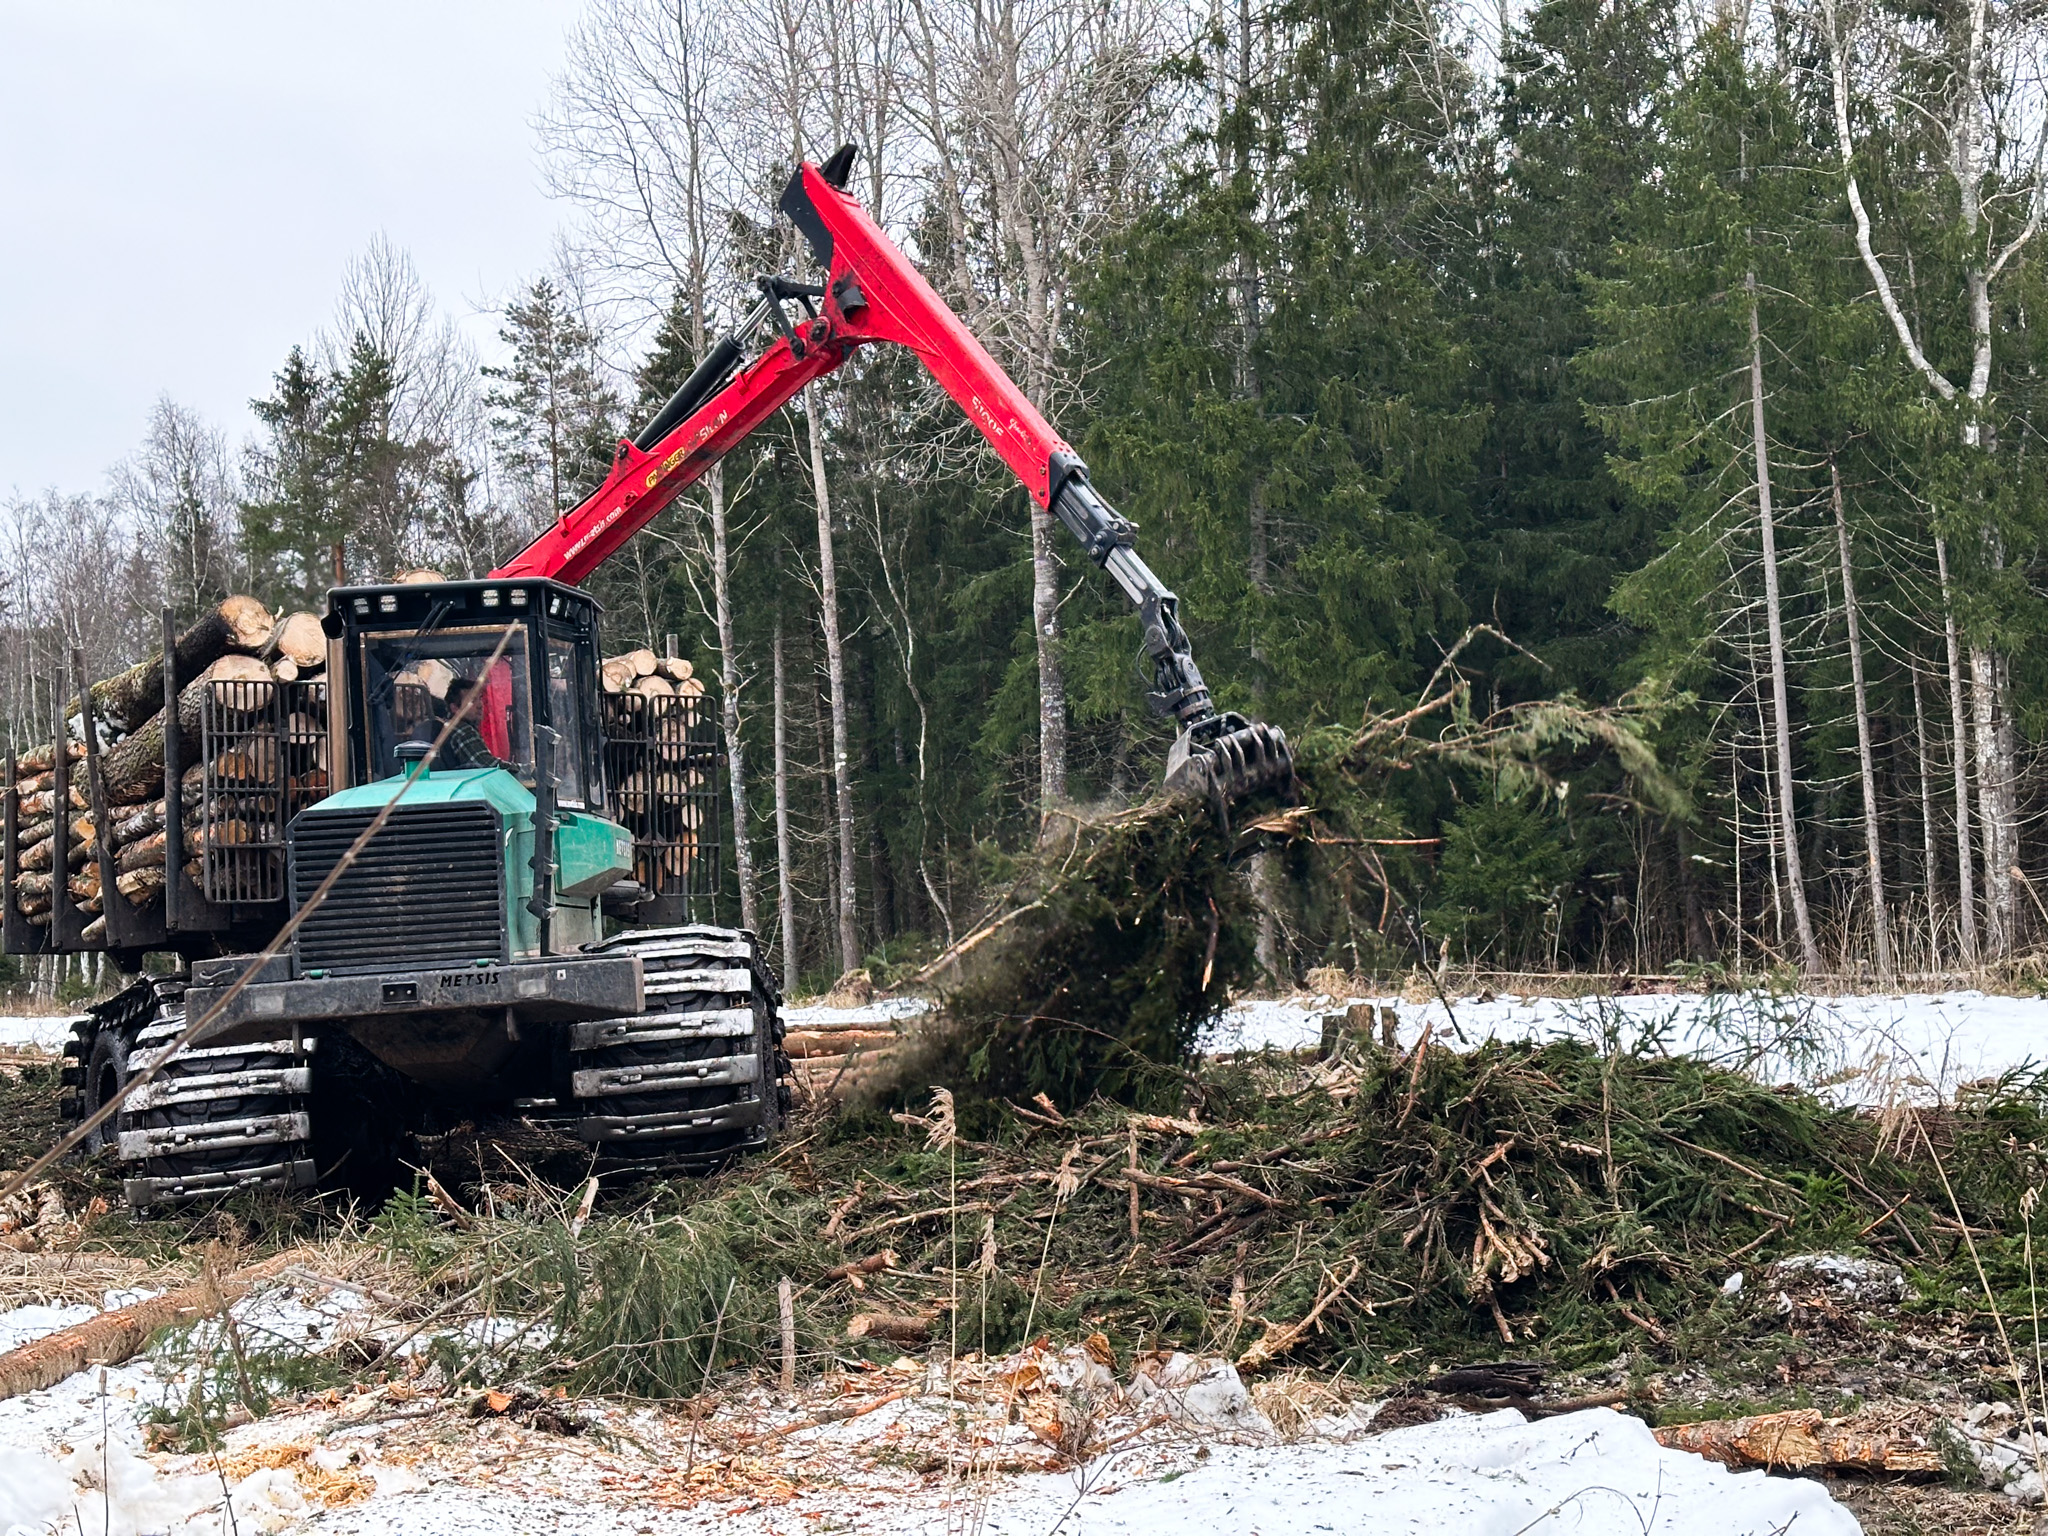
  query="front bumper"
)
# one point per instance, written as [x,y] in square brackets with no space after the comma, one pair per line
[559,990]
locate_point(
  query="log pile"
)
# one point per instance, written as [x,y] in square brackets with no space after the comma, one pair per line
[237,642]
[658,763]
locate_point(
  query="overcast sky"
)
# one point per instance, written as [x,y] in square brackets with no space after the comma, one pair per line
[182,181]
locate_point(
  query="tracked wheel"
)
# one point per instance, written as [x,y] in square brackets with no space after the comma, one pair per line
[699,1075]
[96,1058]
[216,1118]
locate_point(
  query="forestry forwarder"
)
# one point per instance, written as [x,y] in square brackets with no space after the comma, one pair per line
[455,969]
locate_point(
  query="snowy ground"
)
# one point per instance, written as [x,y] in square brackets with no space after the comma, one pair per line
[39,1033]
[1857,1049]
[404,1461]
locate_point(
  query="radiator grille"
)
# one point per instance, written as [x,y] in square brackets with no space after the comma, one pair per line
[428,891]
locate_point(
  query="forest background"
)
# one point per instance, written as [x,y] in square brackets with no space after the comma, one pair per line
[1677,360]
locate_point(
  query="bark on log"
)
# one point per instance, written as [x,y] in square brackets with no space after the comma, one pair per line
[675,669]
[29,833]
[138,885]
[95,933]
[1871,1441]
[137,825]
[43,802]
[130,767]
[115,1336]
[43,758]
[145,853]
[896,1329]
[85,885]
[38,856]
[805,1043]
[122,702]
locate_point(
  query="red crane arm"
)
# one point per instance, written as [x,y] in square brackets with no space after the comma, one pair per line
[872,293]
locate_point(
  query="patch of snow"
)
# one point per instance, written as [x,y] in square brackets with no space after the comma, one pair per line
[1591,1471]
[1869,1282]
[1208,1392]
[42,1033]
[1857,1049]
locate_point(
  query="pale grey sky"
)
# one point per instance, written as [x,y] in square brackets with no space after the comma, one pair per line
[181,182]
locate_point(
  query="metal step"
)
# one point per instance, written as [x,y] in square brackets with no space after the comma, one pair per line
[297,1174]
[710,1023]
[221,1085]
[214,1136]
[700,980]
[657,1127]
[141,1060]
[667,1076]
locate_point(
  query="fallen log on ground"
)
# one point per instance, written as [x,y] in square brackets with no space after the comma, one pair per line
[1801,1439]
[115,1336]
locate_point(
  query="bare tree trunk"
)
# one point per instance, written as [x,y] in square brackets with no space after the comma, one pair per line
[1052,687]
[1928,864]
[784,889]
[835,672]
[729,703]
[821,737]
[1966,882]
[1809,951]
[1987,691]
[1880,917]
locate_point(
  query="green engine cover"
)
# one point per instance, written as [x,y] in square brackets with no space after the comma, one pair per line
[591,852]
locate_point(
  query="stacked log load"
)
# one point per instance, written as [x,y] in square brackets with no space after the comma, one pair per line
[655,786]
[238,642]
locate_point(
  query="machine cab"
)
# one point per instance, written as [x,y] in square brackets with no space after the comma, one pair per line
[413,654]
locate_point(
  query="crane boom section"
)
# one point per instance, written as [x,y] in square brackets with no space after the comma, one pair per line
[872,293]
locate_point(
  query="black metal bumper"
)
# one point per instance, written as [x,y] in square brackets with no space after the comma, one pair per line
[560,990]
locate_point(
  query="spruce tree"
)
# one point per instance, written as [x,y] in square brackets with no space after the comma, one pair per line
[554,420]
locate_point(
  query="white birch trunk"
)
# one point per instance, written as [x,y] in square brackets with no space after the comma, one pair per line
[1880,918]
[730,683]
[1966,883]
[1809,951]
[1052,688]
[1986,693]
[785,890]
[835,673]
[1928,863]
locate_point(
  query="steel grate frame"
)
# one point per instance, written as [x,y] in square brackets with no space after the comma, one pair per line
[429,890]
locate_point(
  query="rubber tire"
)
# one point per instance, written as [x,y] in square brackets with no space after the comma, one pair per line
[106,1073]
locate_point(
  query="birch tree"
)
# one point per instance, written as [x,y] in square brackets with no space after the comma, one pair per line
[1953,94]
[1039,121]
[633,135]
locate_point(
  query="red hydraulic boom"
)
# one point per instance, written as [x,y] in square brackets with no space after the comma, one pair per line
[872,293]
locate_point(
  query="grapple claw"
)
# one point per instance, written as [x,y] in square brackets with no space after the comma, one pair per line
[1228,758]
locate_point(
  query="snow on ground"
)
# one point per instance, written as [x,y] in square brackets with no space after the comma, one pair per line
[42,1033]
[409,1463]
[1858,1049]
